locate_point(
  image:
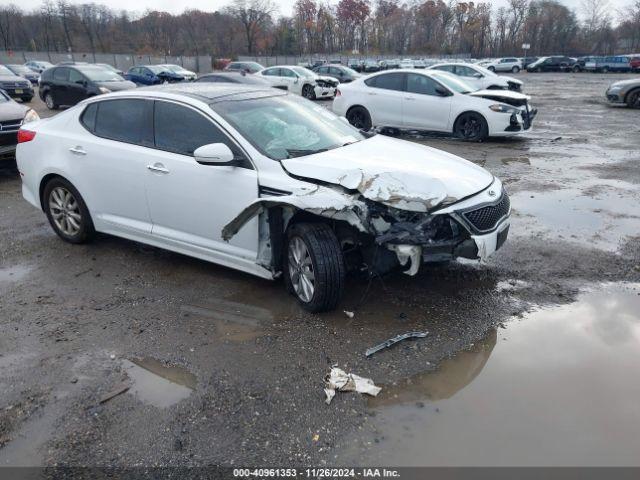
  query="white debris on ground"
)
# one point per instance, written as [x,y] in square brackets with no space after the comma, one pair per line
[338,379]
[349,314]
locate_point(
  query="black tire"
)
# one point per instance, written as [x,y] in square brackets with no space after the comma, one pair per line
[86,231]
[576,69]
[605,70]
[492,69]
[515,69]
[633,98]
[471,126]
[309,92]
[50,101]
[325,261]
[26,99]
[359,117]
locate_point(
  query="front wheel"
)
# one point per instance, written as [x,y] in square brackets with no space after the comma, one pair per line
[359,117]
[309,92]
[472,127]
[313,267]
[633,99]
[492,69]
[66,211]
[50,102]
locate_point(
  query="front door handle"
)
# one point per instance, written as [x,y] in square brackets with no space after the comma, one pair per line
[158,167]
[77,150]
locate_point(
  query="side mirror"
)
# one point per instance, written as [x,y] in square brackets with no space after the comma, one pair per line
[214,154]
[297,80]
[443,92]
[477,75]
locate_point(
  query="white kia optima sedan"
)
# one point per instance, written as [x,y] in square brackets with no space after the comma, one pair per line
[259,180]
[431,100]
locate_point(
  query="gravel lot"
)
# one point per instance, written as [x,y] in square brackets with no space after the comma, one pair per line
[224,368]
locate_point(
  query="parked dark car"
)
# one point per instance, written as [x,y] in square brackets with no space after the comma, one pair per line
[551,64]
[24,72]
[12,116]
[152,75]
[68,85]
[15,86]
[580,63]
[339,72]
[237,77]
[356,64]
[249,67]
[526,61]
[370,66]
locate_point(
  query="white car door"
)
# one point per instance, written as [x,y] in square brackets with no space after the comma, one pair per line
[382,97]
[190,203]
[109,164]
[290,78]
[423,107]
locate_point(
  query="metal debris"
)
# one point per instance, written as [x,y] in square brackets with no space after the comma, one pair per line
[118,390]
[394,340]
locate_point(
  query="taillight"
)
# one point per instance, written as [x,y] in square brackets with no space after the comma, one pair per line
[338,92]
[25,136]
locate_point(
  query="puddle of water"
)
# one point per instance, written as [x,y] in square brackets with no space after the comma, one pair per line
[601,219]
[157,384]
[233,321]
[558,388]
[13,274]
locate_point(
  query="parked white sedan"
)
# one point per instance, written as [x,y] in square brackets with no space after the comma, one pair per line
[301,81]
[432,100]
[258,180]
[479,76]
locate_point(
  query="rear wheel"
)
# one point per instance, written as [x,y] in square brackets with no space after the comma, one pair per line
[515,69]
[359,117]
[472,127]
[50,102]
[314,268]
[633,99]
[66,211]
[309,92]
[605,69]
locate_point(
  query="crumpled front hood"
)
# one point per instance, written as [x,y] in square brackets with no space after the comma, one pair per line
[501,94]
[395,172]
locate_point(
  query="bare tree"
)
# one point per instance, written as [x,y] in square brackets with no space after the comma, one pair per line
[254,16]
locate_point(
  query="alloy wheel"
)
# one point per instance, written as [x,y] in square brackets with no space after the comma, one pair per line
[301,269]
[469,127]
[48,99]
[65,211]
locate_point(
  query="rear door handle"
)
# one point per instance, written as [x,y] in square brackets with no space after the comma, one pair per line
[77,150]
[158,167]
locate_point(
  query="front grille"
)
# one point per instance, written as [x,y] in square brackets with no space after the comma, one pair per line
[486,218]
[8,138]
[14,84]
[10,125]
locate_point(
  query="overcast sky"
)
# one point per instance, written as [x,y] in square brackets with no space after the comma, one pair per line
[285,6]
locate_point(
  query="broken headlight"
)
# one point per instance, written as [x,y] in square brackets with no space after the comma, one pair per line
[502,108]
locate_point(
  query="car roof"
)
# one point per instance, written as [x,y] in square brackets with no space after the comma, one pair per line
[205,92]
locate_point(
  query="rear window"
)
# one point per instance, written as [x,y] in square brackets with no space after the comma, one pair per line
[126,120]
[88,118]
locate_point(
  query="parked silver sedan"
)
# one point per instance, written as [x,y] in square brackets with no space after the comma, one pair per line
[625,92]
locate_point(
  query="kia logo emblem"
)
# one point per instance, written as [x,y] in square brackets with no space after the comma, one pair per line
[492,193]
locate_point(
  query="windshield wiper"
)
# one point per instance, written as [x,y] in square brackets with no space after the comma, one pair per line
[294,152]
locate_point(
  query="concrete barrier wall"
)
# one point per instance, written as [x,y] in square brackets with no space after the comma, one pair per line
[122,61]
[269,61]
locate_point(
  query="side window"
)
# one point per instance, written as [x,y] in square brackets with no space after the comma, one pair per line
[446,68]
[75,76]
[88,118]
[61,74]
[388,81]
[272,72]
[421,84]
[285,72]
[465,71]
[125,120]
[182,130]
[335,71]
[322,70]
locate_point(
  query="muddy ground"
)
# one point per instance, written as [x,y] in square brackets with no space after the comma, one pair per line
[119,354]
